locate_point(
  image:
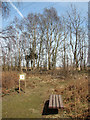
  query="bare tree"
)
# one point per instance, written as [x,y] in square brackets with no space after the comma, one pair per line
[45,39]
[75,24]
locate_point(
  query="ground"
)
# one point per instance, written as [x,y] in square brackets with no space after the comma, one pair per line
[34,102]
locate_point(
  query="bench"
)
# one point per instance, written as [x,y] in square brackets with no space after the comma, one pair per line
[55,102]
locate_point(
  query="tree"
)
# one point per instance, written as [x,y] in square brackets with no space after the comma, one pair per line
[31,58]
[44,40]
[51,20]
[75,23]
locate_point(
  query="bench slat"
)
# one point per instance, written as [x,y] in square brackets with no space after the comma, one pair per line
[57,101]
[51,101]
[60,100]
[54,102]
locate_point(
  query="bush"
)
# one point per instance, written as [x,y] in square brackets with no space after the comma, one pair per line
[9,80]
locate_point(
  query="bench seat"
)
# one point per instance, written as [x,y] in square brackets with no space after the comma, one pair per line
[55,102]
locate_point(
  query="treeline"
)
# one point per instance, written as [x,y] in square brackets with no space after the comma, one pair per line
[45,41]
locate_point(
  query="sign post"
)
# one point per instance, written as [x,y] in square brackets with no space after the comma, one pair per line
[22,78]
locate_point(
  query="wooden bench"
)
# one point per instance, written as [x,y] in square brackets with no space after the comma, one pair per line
[55,102]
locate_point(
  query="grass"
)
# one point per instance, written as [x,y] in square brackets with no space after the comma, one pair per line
[21,105]
[39,87]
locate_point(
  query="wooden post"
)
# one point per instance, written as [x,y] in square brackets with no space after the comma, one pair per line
[22,78]
[19,85]
[25,86]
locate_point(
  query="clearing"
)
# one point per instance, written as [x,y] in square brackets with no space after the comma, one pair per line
[34,103]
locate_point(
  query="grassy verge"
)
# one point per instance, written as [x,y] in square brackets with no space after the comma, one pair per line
[74,91]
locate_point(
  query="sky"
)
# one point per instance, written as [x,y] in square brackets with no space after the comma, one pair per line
[24,8]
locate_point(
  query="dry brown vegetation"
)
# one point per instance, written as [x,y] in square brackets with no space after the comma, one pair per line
[9,81]
[73,86]
[76,97]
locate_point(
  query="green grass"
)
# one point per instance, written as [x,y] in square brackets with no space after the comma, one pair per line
[31,103]
[21,105]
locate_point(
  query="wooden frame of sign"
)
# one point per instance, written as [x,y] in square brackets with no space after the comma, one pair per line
[22,78]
